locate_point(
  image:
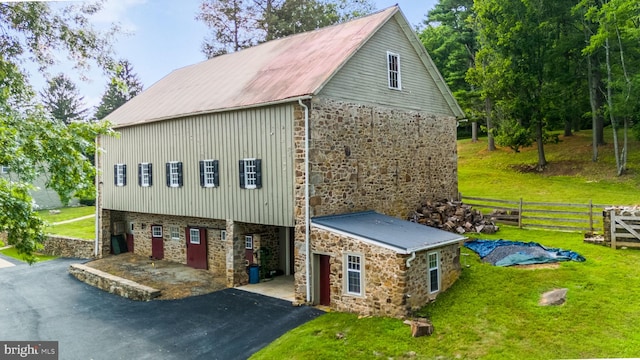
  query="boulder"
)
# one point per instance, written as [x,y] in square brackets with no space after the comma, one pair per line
[554,297]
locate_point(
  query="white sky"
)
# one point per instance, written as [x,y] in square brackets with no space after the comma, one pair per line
[165,36]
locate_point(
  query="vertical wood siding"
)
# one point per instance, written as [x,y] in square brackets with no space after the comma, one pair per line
[263,133]
[364,77]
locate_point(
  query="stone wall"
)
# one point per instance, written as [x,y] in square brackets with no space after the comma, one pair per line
[68,247]
[367,157]
[390,288]
[418,292]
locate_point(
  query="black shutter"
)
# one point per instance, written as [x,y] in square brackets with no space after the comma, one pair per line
[202,173]
[168,170]
[139,174]
[180,174]
[258,173]
[216,176]
[242,182]
[124,174]
[150,175]
[115,175]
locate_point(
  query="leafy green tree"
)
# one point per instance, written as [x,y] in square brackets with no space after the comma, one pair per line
[61,98]
[123,86]
[512,135]
[32,144]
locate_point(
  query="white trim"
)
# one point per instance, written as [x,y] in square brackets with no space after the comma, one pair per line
[4,169]
[398,72]
[254,173]
[223,235]
[437,269]
[171,173]
[153,231]
[387,246]
[248,239]
[208,183]
[120,174]
[193,231]
[177,232]
[360,271]
[145,166]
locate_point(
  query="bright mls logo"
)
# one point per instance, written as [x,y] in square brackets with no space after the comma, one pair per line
[33,350]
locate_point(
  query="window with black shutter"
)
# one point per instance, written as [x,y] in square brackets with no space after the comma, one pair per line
[120,174]
[174,174]
[209,176]
[145,174]
[250,173]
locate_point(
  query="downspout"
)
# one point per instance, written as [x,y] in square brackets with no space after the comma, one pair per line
[307,226]
[97,181]
[410,259]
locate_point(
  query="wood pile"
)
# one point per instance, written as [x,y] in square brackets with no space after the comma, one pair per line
[452,216]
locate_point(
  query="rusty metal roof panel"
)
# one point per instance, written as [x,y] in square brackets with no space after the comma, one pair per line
[277,70]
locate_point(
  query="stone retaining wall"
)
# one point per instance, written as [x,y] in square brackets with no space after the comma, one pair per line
[113,284]
[55,245]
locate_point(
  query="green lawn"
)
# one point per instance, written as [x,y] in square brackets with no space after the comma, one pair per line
[12,252]
[493,312]
[82,229]
[67,213]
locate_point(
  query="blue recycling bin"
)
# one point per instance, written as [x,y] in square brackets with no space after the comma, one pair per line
[254,274]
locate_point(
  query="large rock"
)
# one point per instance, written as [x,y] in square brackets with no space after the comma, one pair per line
[554,297]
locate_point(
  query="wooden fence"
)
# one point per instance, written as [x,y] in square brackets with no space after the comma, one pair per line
[545,215]
[624,228]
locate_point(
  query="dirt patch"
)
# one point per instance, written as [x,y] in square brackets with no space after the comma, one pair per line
[538,266]
[175,281]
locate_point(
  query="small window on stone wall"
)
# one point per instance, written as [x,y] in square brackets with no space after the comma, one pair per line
[223,235]
[175,233]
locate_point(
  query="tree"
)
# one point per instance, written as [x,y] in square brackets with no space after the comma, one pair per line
[62,100]
[123,86]
[31,143]
[238,24]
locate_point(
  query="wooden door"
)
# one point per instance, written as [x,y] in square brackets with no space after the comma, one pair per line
[157,244]
[130,243]
[197,248]
[248,249]
[325,281]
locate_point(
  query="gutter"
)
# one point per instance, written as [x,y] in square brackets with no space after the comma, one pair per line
[307,225]
[410,259]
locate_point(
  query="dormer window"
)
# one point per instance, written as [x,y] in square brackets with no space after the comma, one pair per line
[393,71]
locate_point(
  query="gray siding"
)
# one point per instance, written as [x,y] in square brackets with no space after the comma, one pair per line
[263,133]
[364,77]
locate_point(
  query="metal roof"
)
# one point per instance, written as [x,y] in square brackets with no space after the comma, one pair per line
[287,68]
[399,235]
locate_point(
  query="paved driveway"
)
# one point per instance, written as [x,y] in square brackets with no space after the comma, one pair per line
[42,302]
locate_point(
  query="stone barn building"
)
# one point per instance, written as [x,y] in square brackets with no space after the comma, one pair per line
[302,155]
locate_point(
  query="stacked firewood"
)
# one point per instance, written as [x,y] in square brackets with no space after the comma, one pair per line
[452,216]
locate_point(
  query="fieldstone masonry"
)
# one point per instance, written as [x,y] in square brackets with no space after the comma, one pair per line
[368,157]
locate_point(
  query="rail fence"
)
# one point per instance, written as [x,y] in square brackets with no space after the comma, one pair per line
[545,215]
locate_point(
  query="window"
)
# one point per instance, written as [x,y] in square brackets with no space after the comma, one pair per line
[251,173]
[209,173]
[223,235]
[248,242]
[156,231]
[120,174]
[393,67]
[194,236]
[145,177]
[174,174]
[434,272]
[4,169]
[354,274]
[175,233]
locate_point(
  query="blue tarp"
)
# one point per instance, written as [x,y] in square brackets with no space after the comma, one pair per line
[507,253]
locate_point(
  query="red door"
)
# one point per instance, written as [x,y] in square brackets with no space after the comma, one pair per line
[325,283]
[130,243]
[248,249]
[157,244]
[197,248]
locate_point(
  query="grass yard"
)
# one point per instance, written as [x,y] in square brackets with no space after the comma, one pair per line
[81,229]
[12,252]
[67,213]
[492,312]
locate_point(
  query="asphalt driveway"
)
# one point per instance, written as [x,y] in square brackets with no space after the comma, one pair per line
[44,303]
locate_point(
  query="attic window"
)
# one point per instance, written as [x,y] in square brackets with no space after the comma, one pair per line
[393,73]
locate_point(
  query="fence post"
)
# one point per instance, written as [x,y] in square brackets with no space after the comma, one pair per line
[613,229]
[591,215]
[520,215]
